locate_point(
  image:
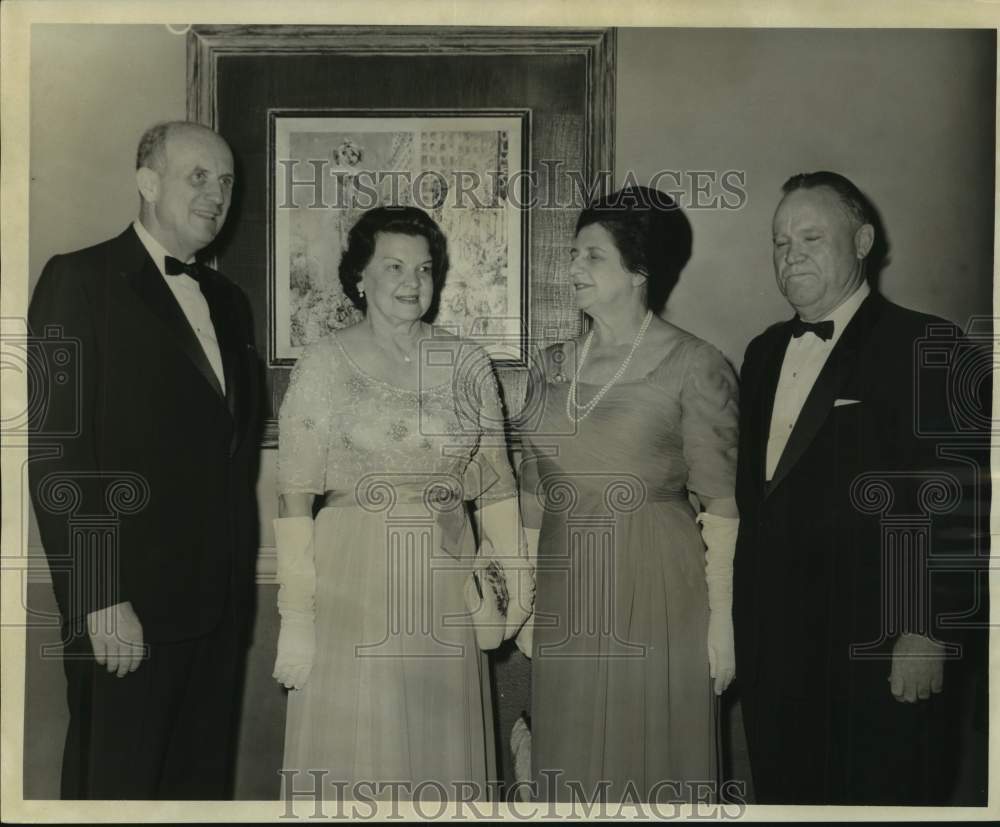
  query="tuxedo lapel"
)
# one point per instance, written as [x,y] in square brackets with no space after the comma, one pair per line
[839,367]
[224,333]
[142,275]
[771,372]
[232,347]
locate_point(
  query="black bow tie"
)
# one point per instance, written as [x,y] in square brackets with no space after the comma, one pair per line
[822,329]
[174,267]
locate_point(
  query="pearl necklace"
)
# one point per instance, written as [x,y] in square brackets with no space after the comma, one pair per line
[571,402]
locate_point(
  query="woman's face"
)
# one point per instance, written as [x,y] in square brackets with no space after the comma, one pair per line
[599,278]
[397,280]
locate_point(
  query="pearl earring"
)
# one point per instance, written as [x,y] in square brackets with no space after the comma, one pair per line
[361,291]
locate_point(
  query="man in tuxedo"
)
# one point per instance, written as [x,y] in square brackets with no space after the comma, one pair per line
[142,475]
[841,649]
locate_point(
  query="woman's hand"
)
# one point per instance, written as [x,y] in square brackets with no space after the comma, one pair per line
[296,652]
[721,649]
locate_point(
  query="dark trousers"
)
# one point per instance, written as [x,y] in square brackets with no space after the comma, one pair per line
[165,731]
[869,750]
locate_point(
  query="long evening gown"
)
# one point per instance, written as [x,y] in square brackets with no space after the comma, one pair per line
[621,693]
[399,689]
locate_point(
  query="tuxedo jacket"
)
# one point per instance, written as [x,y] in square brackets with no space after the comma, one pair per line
[834,552]
[142,470]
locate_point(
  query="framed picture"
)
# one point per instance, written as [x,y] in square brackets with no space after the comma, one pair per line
[524,114]
[463,168]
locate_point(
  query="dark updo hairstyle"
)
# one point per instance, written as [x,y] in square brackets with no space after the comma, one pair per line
[652,234]
[404,221]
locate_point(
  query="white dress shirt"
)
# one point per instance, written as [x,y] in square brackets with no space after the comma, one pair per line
[804,359]
[188,294]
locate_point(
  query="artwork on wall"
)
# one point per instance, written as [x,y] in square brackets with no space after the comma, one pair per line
[490,115]
[328,167]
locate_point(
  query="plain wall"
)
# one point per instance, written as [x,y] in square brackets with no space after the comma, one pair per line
[94,91]
[908,115]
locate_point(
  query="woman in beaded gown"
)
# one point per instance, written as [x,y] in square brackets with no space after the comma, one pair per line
[389,688]
[628,465]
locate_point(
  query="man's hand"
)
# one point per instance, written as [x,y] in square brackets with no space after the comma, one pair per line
[116,636]
[917,668]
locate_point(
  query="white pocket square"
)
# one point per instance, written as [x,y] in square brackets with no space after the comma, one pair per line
[838,403]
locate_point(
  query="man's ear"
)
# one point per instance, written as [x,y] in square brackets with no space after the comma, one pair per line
[148,182]
[864,238]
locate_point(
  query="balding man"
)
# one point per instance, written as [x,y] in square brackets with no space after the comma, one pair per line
[142,477]
[840,657]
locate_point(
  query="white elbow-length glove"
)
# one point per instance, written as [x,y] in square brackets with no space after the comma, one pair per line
[719,534]
[525,637]
[296,600]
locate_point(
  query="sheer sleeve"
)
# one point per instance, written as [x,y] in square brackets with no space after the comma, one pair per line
[710,423]
[304,424]
[487,475]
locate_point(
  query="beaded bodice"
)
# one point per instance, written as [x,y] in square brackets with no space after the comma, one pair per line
[342,429]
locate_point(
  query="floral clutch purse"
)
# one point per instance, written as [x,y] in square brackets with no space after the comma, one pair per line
[499,598]
[496,581]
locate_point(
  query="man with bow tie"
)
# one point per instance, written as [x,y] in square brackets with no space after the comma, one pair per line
[155,443]
[839,656]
